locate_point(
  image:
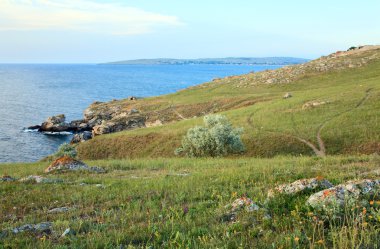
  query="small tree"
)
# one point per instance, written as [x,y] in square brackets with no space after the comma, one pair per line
[216,138]
[66,150]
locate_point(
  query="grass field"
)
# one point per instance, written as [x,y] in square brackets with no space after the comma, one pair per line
[180,203]
[273,125]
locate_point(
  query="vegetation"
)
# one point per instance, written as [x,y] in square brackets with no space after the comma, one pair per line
[180,203]
[347,123]
[216,138]
[66,150]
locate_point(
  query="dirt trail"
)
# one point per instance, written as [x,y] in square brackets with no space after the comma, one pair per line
[321,150]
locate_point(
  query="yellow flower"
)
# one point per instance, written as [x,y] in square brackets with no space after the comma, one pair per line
[371,203]
[296,239]
[234,194]
[320,241]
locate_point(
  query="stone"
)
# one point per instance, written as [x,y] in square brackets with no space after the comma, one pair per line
[300,186]
[81,137]
[120,123]
[55,124]
[79,125]
[39,179]
[66,163]
[133,111]
[153,124]
[313,104]
[59,210]
[68,232]
[243,203]
[7,178]
[40,227]
[287,95]
[343,194]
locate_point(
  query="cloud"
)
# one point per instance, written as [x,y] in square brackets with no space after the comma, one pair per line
[80,15]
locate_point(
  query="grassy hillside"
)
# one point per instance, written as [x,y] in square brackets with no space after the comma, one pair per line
[180,203]
[348,122]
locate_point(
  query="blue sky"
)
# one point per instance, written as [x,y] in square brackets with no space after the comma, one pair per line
[91,31]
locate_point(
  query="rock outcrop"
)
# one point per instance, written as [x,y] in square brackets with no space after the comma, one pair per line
[81,137]
[7,178]
[55,124]
[39,179]
[66,163]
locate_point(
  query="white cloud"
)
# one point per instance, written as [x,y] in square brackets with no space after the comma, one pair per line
[80,15]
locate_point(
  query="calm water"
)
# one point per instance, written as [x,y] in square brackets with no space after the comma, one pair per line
[31,93]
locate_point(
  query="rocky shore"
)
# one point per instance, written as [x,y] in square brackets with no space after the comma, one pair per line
[95,122]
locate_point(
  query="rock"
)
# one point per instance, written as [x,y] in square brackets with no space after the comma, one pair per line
[66,163]
[243,203]
[59,210]
[55,124]
[339,196]
[313,104]
[34,127]
[287,95]
[153,124]
[79,125]
[68,232]
[300,186]
[81,137]
[39,179]
[40,227]
[6,178]
[133,111]
[120,123]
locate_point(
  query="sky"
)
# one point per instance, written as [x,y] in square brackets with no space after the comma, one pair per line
[93,31]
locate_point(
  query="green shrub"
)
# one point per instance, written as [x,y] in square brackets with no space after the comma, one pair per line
[66,150]
[216,138]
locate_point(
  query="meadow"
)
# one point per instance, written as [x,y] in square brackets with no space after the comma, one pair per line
[180,203]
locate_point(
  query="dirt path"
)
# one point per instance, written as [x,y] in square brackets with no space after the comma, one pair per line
[321,150]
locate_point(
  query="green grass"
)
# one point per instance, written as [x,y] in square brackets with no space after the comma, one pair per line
[273,121]
[143,203]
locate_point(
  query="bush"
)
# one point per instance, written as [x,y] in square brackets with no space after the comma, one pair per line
[216,138]
[66,150]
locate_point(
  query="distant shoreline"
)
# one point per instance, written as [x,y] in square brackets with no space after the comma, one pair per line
[213,61]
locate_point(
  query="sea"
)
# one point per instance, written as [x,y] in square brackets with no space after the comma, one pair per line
[29,93]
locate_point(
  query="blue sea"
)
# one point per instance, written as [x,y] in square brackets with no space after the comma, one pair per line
[31,93]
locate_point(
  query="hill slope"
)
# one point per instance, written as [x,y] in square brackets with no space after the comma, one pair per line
[334,106]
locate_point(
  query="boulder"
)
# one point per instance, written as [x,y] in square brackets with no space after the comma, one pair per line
[40,227]
[243,203]
[7,178]
[339,196]
[313,104]
[287,95]
[66,163]
[81,137]
[300,186]
[79,125]
[59,210]
[55,124]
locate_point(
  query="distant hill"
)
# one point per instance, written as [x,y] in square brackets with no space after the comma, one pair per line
[221,61]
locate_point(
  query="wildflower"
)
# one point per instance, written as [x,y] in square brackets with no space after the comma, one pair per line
[296,239]
[364,211]
[320,241]
[371,203]
[310,214]
[378,202]
[234,194]
[365,224]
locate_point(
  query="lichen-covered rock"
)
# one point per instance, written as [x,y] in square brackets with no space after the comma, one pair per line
[6,178]
[119,123]
[39,179]
[299,186]
[66,163]
[313,104]
[40,227]
[243,203]
[339,196]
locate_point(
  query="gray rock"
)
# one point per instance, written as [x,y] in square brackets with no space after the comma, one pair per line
[40,227]
[337,197]
[300,186]
[6,178]
[59,210]
[81,137]
[66,163]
